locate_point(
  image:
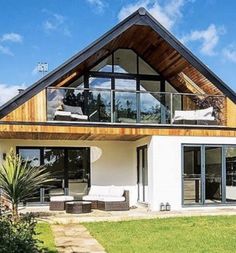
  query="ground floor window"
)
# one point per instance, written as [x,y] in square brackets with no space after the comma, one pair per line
[69,168]
[209,174]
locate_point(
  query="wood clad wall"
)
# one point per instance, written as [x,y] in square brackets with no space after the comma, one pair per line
[231,113]
[34,110]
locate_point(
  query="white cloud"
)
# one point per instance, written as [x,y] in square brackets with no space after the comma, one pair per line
[229,53]
[167,14]
[55,23]
[6,38]
[98,4]
[5,50]
[9,91]
[13,37]
[209,38]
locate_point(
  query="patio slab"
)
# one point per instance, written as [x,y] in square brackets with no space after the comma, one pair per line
[75,238]
[132,214]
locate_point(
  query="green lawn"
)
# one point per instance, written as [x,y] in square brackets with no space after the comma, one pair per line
[172,235]
[45,235]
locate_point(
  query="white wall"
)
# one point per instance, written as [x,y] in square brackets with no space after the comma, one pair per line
[165,164]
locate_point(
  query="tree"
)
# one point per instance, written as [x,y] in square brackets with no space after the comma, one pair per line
[19,180]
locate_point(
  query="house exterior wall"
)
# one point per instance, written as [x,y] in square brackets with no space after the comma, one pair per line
[115,163]
[165,164]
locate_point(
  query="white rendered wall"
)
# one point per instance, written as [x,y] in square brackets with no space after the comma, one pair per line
[165,166]
[116,166]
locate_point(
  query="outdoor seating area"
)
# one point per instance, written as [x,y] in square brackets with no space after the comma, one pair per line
[106,198]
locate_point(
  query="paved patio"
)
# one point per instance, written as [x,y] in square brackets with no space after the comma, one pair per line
[132,214]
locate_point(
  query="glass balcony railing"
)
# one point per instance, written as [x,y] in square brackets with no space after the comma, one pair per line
[132,107]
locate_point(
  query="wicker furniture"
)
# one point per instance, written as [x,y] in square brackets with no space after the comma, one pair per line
[115,205]
[57,203]
[108,198]
[76,207]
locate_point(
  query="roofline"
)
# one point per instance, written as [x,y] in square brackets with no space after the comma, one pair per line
[189,56]
[141,17]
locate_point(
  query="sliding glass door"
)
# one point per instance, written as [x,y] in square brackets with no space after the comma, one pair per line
[209,174]
[213,174]
[142,173]
[69,168]
[230,164]
[192,175]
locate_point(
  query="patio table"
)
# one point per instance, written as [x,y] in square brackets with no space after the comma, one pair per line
[76,207]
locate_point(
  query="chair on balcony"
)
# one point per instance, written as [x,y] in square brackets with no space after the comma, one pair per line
[202,116]
[71,113]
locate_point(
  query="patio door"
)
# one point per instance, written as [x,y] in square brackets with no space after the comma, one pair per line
[142,174]
[68,166]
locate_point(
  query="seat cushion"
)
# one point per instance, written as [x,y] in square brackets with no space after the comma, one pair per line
[91,197]
[112,199]
[61,198]
[116,191]
[98,190]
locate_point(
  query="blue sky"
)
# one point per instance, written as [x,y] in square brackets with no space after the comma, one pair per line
[53,30]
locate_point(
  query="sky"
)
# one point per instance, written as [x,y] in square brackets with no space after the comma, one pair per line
[53,30]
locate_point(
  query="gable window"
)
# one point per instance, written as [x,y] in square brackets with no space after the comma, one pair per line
[123,88]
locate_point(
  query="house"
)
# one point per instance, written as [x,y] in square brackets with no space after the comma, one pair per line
[135,109]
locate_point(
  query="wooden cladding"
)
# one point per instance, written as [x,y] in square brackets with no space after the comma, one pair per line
[231,113]
[34,110]
[53,132]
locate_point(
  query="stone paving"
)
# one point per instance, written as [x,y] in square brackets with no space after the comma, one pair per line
[75,238]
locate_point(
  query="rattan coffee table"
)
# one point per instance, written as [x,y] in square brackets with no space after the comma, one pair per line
[76,207]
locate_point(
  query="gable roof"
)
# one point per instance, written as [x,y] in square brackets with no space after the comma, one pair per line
[140,17]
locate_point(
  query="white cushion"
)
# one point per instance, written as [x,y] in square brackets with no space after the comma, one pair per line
[77,116]
[62,113]
[61,198]
[203,114]
[113,199]
[91,197]
[116,191]
[99,190]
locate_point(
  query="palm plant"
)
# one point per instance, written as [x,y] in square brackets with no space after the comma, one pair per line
[19,180]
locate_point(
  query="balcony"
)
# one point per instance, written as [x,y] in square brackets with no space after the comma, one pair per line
[134,107]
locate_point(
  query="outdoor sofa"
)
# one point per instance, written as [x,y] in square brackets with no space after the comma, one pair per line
[108,198]
[201,115]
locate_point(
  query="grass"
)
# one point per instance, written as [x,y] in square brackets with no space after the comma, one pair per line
[178,235]
[44,234]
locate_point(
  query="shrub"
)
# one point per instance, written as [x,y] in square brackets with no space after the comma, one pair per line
[18,236]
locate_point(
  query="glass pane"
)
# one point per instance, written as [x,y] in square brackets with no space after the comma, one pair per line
[32,156]
[78,83]
[145,167]
[99,105]
[192,175]
[231,174]
[155,108]
[104,66]
[146,85]
[99,82]
[125,107]
[78,172]
[54,161]
[125,84]
[140,171]
[125,61]
[213,174]
[145,69]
